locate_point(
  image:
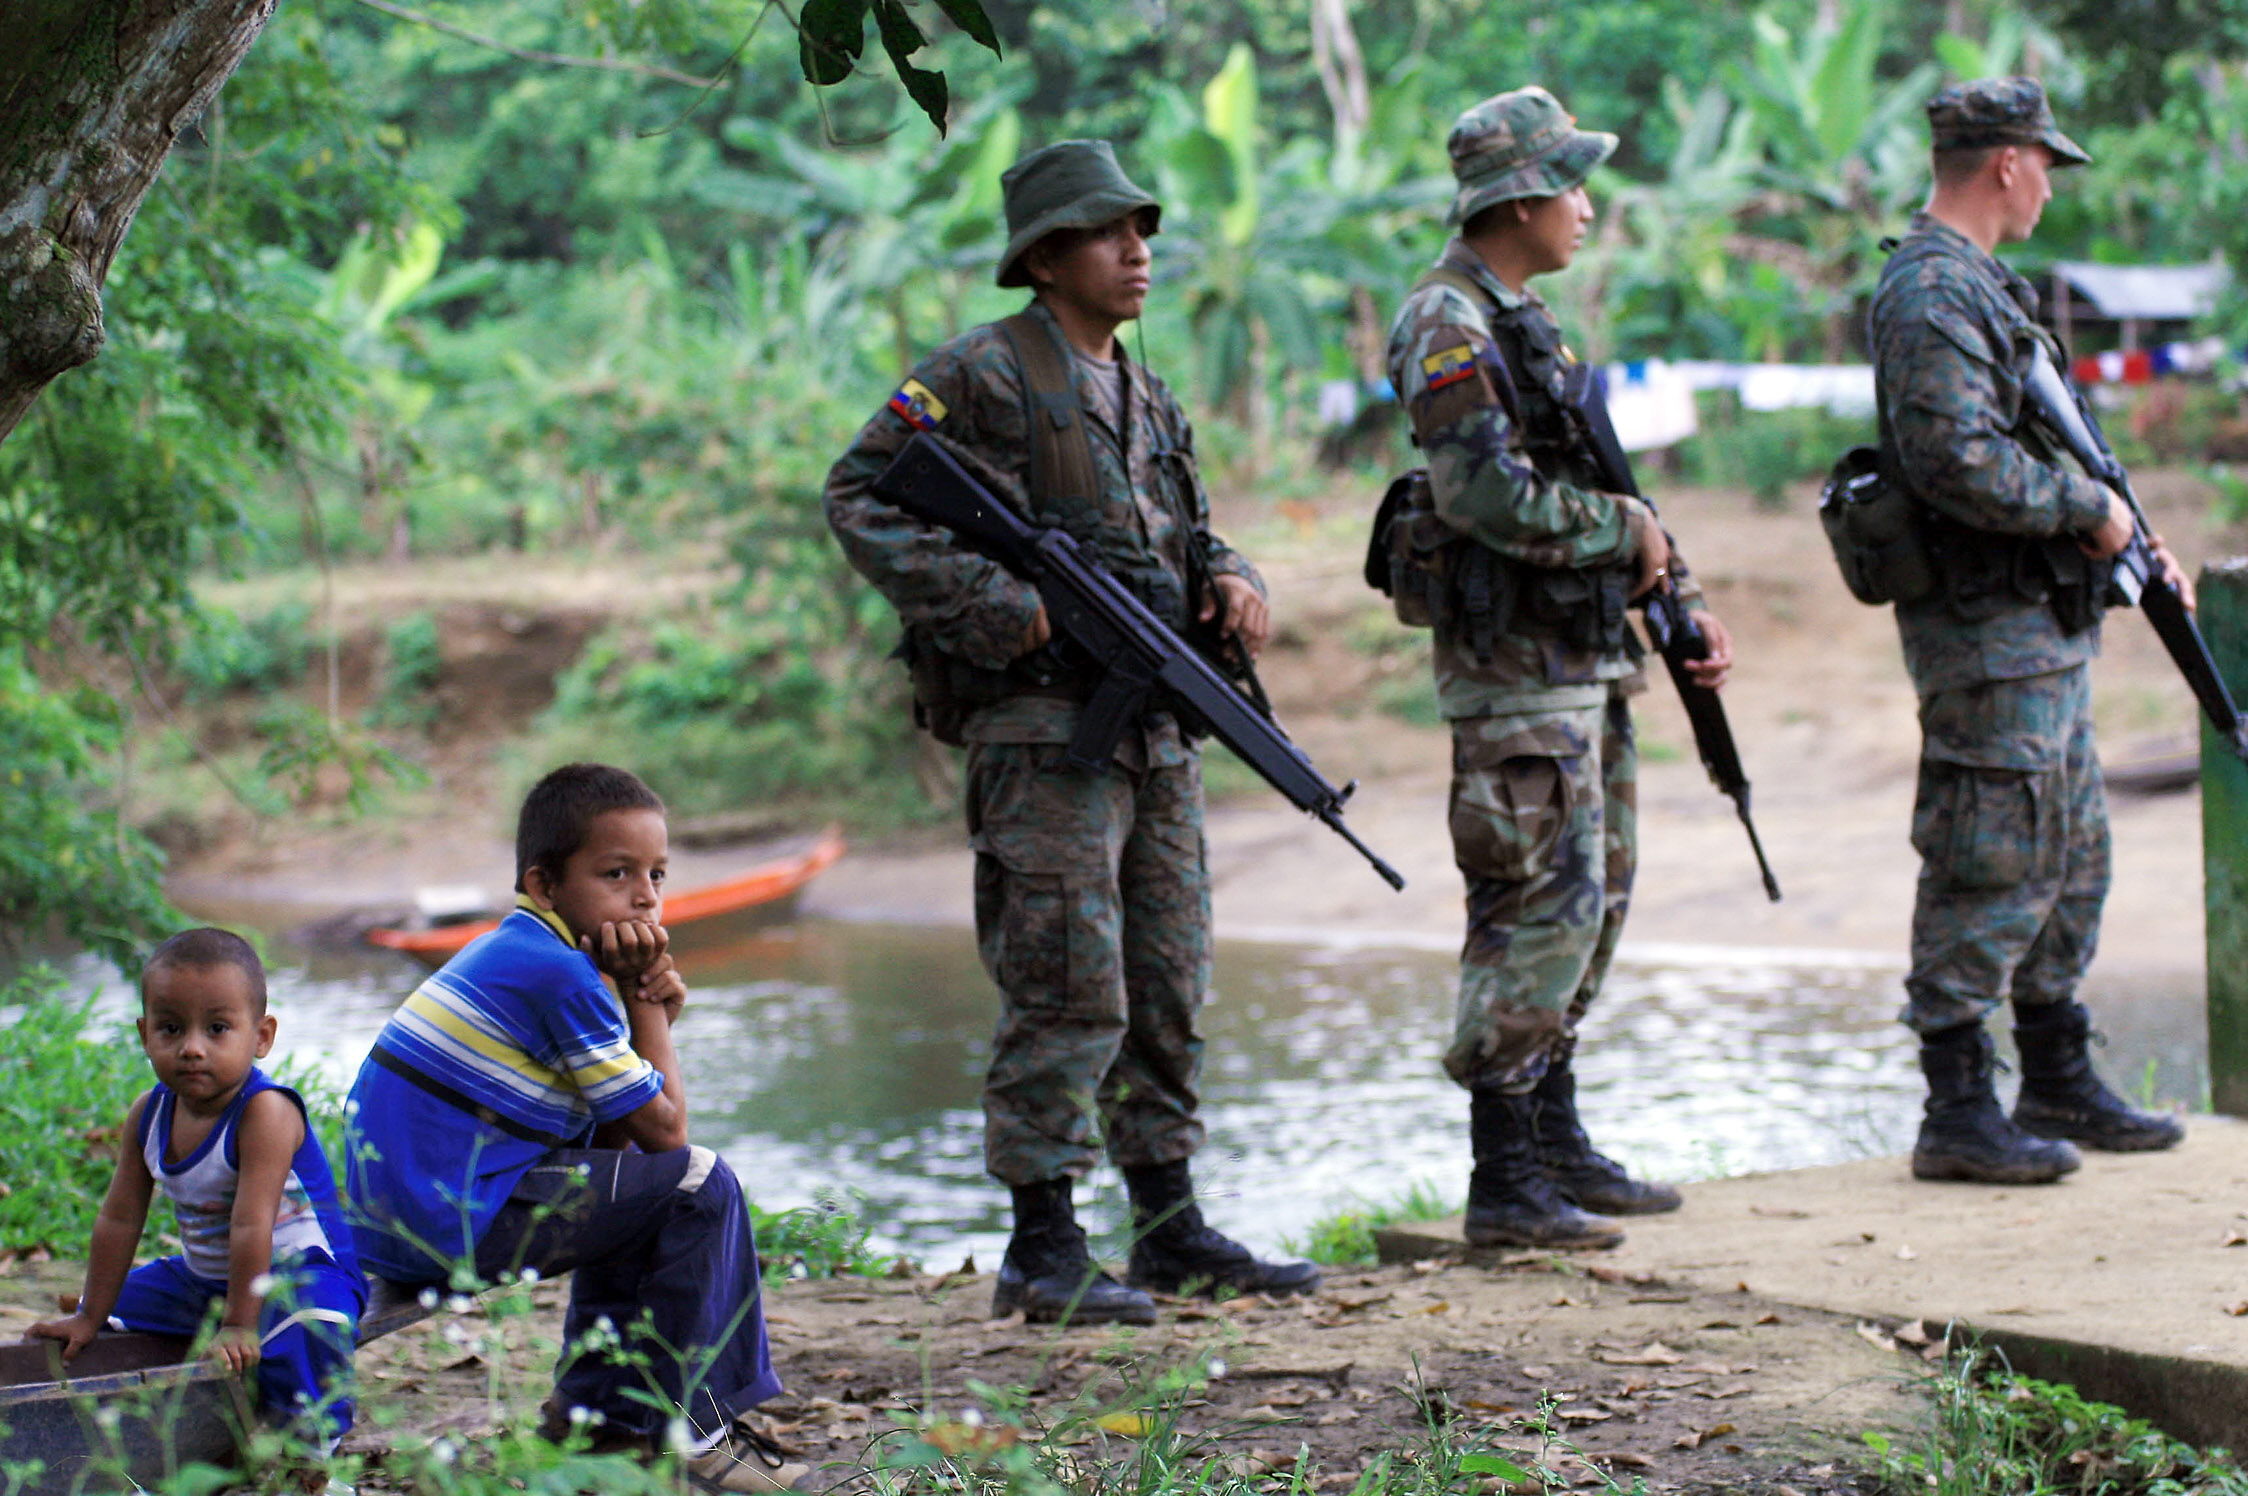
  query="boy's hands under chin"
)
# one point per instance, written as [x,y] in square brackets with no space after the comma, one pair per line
[75,1332]
[626,950]
[237,1348]
[663,986]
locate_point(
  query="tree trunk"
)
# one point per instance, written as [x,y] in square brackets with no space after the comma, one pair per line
[93,93]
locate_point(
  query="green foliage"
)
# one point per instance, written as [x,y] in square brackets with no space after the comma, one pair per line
[1346,1238]
[66,1082]
[1998,1434]
[409,688]
[68,866]
[822,1240]
[220,651]
[1764,452]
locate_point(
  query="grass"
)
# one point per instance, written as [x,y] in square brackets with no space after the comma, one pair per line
[1998,1434]
[1346,1238]
[66,1082]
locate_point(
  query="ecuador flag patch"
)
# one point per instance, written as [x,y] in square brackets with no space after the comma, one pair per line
[918,405]
[1448,366]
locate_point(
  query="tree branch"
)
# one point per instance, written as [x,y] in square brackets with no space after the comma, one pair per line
[532,54]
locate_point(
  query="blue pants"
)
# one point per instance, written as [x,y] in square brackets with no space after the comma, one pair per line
[662,1250]
[304,1372]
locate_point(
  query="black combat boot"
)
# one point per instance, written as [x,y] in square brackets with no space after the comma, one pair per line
[1175,1251]
[1964,1134]
[1588,1177]
[1511,1200]
[1049,1272]
[2062,1098]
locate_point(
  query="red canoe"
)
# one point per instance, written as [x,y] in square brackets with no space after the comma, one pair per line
[767,884]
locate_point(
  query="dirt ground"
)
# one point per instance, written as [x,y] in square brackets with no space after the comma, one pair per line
[1692,1391]
[1716,1394]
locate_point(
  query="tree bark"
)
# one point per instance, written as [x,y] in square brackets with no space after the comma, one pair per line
[93,93]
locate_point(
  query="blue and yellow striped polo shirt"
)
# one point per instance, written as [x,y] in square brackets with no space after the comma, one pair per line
[515,1048]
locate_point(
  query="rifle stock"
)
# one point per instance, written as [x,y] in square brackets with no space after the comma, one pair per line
[2138,570]
[1670,627]
[1135,652]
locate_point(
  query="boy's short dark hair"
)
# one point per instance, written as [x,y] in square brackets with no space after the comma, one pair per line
[207,947]
[560,809]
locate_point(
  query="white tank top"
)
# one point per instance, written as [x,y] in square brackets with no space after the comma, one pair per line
[201,1185]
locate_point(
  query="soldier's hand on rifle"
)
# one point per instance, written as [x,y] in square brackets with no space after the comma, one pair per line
[1654,553]
[1247,616]
[1040,631]
[2174,574]
[2115,534]
[1711,670]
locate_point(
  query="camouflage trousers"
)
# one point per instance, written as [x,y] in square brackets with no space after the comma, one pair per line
[1093,917]
[2011,827]
[1544,822]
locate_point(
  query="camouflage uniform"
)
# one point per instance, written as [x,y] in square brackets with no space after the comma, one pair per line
[2010,821]
[1544,800]
[1091,889]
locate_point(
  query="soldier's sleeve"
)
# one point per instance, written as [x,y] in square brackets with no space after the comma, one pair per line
[1951,396]
[1683,581]
[1223,559]
[970,605]
[1441,364]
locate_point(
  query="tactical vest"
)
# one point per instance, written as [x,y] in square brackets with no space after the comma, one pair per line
[1438,578]
[1064,491]
[1977,575]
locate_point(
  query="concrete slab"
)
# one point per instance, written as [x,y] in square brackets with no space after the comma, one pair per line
[2128,1280]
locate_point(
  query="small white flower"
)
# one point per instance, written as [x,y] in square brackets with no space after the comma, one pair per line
[351,1106]
[262,1284]
[528,1275]
[578,1416]
[1217,1368]
[678,1436]
[973,1417]
[427,1298]
[109,1415]
[444,1452]
[458,1303]
[605,1325]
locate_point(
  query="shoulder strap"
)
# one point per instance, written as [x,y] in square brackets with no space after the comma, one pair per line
[1502,367]
[1062,476]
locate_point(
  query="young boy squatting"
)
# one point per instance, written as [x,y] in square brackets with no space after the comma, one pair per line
[514,1114]
[260,1226]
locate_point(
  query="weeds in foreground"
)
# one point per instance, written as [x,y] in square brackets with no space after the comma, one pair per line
[826,1239]
[1998,1434]
[1346,1239]
[66,1082]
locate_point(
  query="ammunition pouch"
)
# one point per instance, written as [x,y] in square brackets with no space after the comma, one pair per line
[1437,578]
[947,690]
[1874,528]
[1985,575]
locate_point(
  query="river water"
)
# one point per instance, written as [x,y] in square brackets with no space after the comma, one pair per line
[843,1061]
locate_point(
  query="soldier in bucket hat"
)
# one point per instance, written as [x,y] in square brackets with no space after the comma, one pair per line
[1528,571]
[1092,890]
[2009,819]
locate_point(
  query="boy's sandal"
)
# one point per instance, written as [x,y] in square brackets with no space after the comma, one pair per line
[744,1459]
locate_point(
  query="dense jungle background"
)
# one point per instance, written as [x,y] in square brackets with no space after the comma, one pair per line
[554,313]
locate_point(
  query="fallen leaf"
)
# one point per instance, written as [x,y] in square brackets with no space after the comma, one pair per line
[1871,1335]
[2239,1309]
[1535,1371]
[1441,1306]
[1720,1324]
[1771,1319]
[468,1362]
[971,1439]
[1692,1438]
[1480,1406]
[1911,1332]
[1738,1389]
[1583,1415]
[1358,1300]
[1014,1321]
[1130,1425]
[1705,1369]
[1779,1212]
[1654,1353]
[839,1374]
[2236,1239]
[1629,1459]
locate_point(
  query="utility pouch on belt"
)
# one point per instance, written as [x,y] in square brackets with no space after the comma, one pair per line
[1875,530]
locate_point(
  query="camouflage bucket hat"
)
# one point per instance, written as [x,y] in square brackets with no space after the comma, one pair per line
[1071,184]
[1999,111]
[1520,144]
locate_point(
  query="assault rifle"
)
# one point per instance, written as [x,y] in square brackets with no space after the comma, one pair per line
[1135,652]
[2138,571]
[1672,630]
